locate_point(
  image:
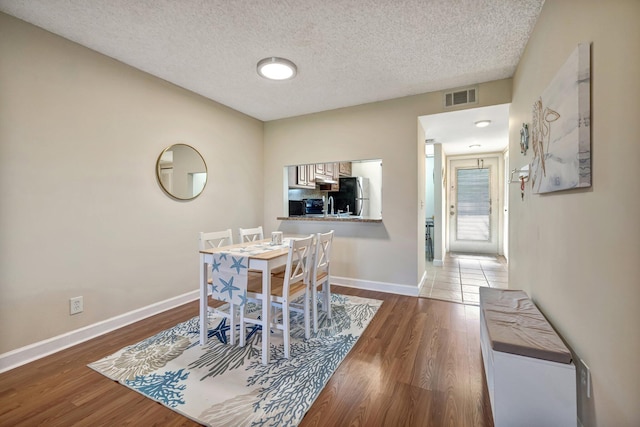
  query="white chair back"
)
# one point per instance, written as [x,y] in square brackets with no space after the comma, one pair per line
[298,262]
[251,234]
[215,239]
[321,276]
[322,252]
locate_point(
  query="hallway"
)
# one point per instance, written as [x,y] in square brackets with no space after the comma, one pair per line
[462,275]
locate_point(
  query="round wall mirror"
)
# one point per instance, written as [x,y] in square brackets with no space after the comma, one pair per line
[181,171]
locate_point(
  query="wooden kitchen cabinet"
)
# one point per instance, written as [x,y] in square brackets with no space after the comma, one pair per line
[302,176]
[329,168]
[306,175]
[335,176]
[344,168]
[324,171]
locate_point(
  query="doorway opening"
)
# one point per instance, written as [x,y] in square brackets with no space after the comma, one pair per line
[465,182]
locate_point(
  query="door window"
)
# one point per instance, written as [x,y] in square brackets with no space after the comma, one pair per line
[474,204]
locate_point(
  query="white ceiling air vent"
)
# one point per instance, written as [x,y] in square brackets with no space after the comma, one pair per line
[461,97]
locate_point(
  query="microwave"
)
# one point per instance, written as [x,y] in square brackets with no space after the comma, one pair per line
[297,207]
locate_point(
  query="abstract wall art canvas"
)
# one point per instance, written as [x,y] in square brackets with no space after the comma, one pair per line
[561,128]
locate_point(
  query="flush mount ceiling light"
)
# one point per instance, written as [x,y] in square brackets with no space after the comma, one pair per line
[483,123]
[273,68]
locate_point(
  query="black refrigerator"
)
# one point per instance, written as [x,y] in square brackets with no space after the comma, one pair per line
[353,196]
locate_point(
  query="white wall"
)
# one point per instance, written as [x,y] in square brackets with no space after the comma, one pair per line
[390,254]
[576,252]
[81,211]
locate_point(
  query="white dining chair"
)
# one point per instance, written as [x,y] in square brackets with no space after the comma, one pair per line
[285,290]
[321,275]
[251,234]
[216,239]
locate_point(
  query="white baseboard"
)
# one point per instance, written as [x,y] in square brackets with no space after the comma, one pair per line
[423,280]
[35,351]
[438,263]
[370,285]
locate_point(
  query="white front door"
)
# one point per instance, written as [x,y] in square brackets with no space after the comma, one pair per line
[473,205]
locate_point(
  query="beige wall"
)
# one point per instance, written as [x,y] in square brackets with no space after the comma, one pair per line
[576,252]
[81,212]
[381,256]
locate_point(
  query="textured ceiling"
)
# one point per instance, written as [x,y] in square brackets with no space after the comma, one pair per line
[348,52]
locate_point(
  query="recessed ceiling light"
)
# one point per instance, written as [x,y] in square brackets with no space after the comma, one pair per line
[474,146]
[276,68]
[483,123]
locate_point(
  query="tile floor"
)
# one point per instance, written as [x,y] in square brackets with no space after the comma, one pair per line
[462,275]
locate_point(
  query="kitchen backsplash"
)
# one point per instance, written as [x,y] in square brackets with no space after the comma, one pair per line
[299,194]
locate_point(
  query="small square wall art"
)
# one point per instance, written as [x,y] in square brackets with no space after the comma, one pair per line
[561,128]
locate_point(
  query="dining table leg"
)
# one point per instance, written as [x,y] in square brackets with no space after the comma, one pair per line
[203,300]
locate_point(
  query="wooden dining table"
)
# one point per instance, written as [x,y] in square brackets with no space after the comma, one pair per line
[264,262]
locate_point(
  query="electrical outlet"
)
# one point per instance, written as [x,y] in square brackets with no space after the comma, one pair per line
[586,407]
[76,305]
[585,379]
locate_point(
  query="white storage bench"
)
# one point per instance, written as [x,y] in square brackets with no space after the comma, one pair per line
[530,375]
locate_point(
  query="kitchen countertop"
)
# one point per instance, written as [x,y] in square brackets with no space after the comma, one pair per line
[328,218]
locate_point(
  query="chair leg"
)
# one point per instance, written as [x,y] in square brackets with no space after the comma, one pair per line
[307,314]
[314,306]
[285,328]
[327,297]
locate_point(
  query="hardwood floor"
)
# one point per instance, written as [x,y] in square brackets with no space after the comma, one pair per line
[417,364]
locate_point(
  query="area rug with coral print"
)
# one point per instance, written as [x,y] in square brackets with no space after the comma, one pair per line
[226,385]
